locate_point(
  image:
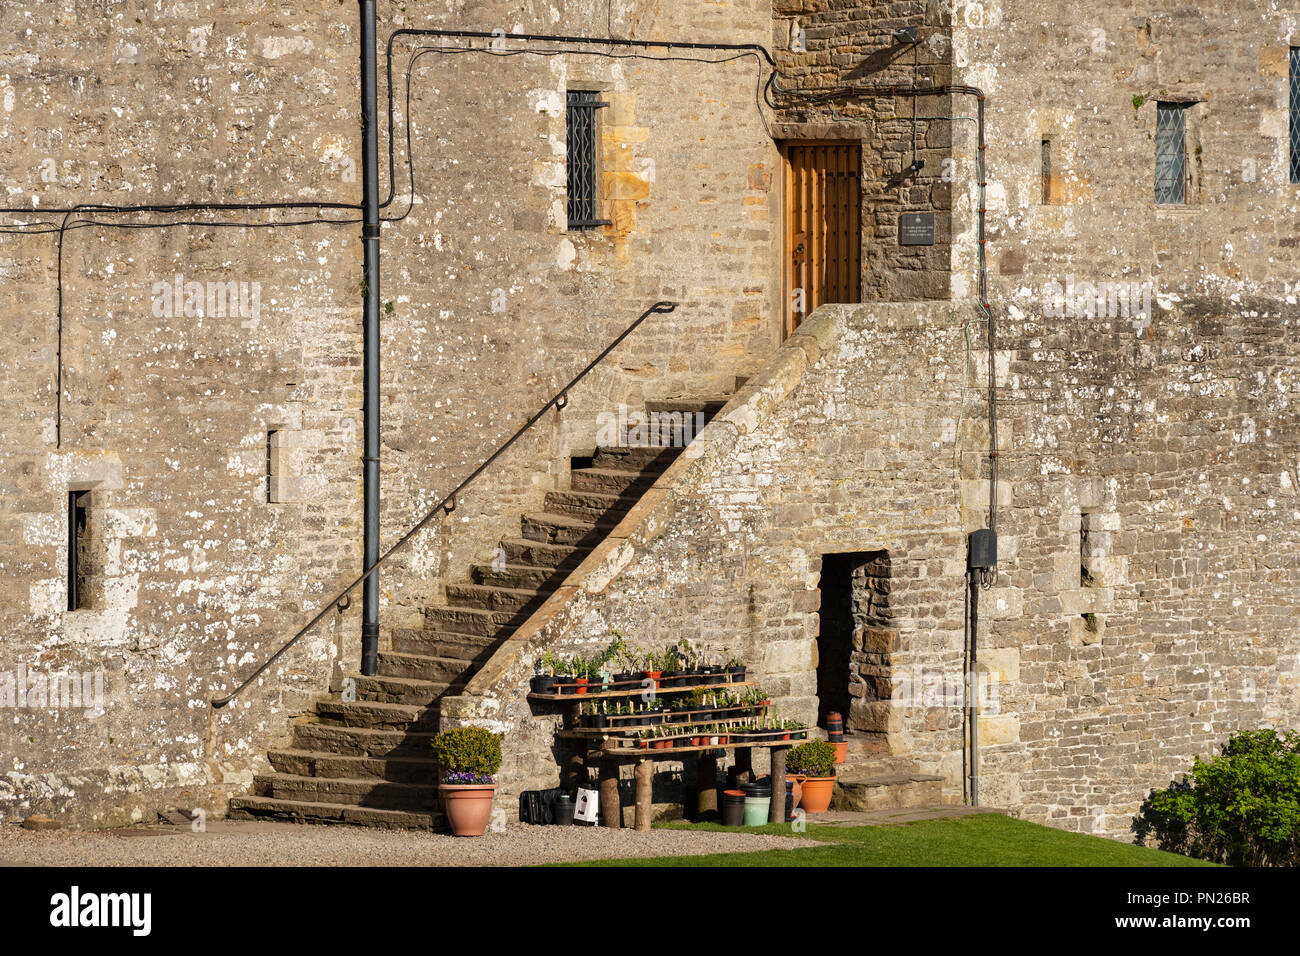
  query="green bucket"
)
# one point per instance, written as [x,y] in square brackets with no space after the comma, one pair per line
[756,810]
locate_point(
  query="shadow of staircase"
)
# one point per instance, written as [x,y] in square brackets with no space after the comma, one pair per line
[367,761]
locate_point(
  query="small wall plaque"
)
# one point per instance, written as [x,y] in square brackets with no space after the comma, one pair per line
[916,229]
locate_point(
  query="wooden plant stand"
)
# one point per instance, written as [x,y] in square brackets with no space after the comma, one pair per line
[610,750]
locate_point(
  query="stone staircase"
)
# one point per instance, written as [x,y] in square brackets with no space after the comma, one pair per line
[367,761]
[873,779]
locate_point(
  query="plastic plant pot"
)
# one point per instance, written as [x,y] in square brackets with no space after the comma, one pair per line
[542,684]
[562,815]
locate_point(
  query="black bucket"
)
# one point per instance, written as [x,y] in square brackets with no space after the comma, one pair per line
[562,813]
[733,808]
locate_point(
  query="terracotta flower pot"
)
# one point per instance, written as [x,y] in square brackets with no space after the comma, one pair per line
[815,793]
[841,751]
[468,806]
[654,676]
[582,685]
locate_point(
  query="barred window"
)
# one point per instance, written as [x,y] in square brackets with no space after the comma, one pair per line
[1295,114]
[1171,153]
[583,159]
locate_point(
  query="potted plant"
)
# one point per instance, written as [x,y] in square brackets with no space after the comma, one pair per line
[689,658]
[468,758]
[652,667]
[711,673]
[563,671]
[759,699]
[596,718]
[543,679]
[675,673]
[627,662]
[812,764]
[736,671]
[582,667]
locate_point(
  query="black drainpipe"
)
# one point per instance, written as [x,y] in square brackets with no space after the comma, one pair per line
[370,337]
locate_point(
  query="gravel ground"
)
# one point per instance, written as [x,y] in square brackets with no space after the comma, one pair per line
[248,843]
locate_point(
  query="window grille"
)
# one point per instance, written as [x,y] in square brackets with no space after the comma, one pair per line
[582,156]
[1295,114]
[1171,153]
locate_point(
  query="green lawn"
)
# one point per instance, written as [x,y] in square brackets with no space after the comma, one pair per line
[984,840]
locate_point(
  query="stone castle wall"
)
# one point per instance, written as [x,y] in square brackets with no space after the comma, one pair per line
[1178,456]
[1089,83]
[489,307]
[1166,437]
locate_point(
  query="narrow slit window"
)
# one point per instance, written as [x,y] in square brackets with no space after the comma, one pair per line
[1047,171]
[272,466]
[1085,551]
[1171,153]
[78,549]
[582,156]
[1295,113]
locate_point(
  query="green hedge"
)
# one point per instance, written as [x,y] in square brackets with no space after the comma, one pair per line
[1242,808]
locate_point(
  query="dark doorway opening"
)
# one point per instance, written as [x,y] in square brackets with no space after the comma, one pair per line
[855,641]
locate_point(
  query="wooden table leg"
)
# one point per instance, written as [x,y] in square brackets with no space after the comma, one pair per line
[777,812]
[576,768]
[706,786]
[645,771]
[744,765]
[611,812]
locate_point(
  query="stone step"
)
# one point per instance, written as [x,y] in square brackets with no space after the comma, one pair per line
[423,666]
[445,644]
[554,528]
[309,763]
[360,741]
[888,792]
[368,761]
[589,505]
[379,794]
[708,407]
[486,597]
[469,620]
[297,811]
[610,481]
[368,713]
[650,459]
[403,690]
[541,554]
[522,576]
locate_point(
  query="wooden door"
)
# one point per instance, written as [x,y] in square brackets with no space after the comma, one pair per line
[823,208]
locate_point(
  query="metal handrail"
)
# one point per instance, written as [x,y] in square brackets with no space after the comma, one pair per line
[448,504]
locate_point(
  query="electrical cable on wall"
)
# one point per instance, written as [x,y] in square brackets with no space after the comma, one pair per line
[421,51]
[741,50]
[65,226]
